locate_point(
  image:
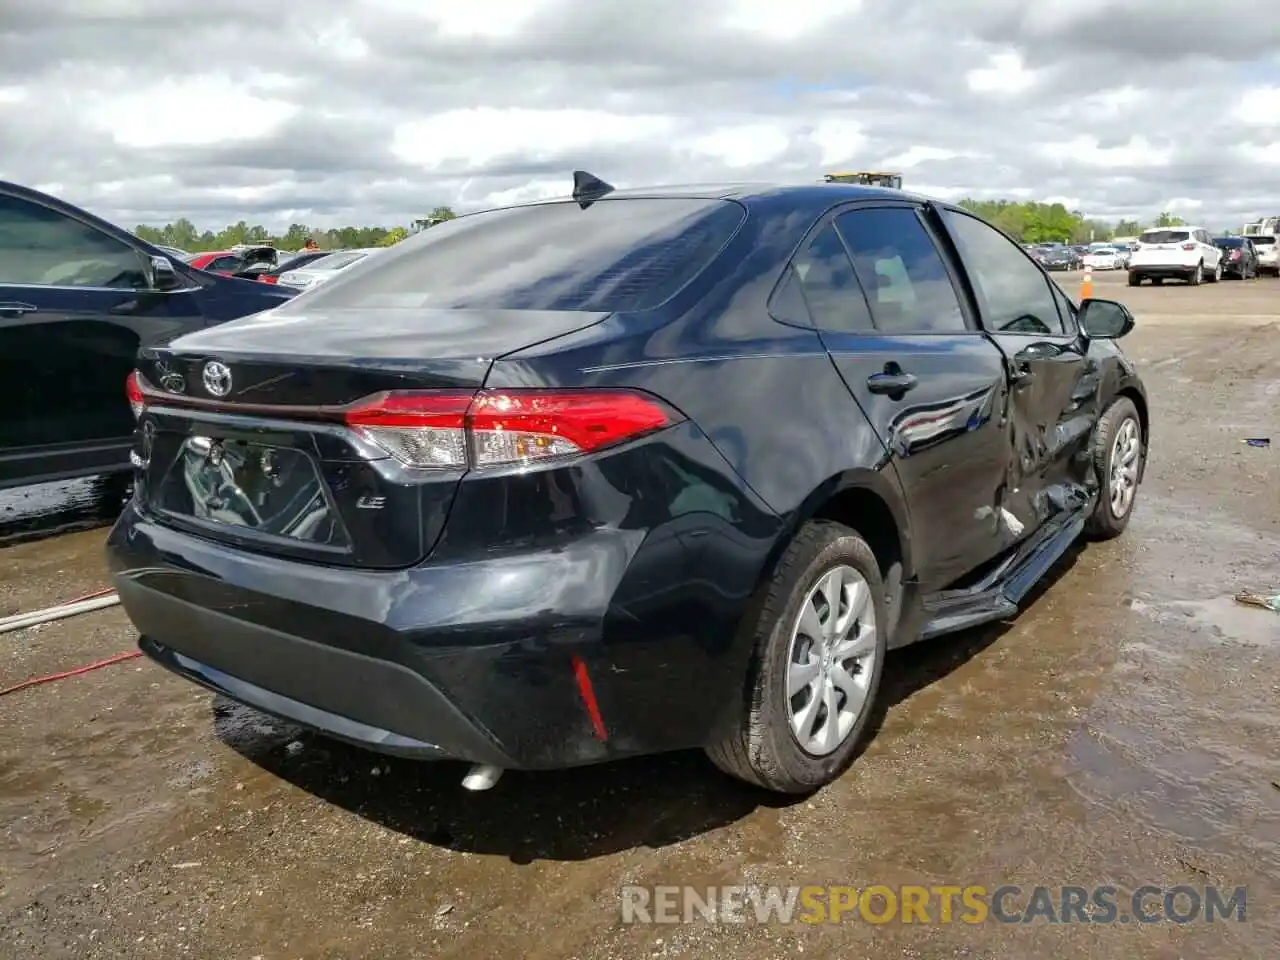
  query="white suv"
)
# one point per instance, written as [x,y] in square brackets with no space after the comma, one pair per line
[1183,253]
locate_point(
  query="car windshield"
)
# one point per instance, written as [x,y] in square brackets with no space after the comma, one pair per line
[1165,236]
[612,255]
[1104,252]
[1260,241]
[1229,242]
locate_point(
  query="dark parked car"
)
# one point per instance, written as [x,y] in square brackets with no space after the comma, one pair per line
[637,471]
[1059,258]
[1239,258]
[78,296]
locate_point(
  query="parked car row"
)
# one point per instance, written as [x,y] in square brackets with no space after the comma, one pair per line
[1191,254]
[1186,253]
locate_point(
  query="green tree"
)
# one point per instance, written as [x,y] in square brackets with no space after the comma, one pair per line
[1167,219]
[394,236]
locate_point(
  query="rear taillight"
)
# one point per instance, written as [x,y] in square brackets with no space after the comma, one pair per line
[137,402]
[453,430]
[1235,254]
[1188,246]
[267,278]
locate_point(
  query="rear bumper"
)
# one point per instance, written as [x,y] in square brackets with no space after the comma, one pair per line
[600,643]
[1176,270]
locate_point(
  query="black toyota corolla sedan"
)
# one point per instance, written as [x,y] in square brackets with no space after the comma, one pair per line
[628,472]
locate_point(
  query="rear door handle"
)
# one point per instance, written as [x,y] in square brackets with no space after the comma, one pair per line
[11,308]
[891,382]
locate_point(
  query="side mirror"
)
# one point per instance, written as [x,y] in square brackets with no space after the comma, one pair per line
[1104,319]
[163,274]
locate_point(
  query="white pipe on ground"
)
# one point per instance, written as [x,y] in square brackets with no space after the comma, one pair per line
[20,621]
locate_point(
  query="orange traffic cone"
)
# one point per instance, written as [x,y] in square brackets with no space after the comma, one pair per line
[1086,285]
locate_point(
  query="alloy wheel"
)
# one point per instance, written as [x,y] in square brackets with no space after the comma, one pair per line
[1126,454]
[831,659]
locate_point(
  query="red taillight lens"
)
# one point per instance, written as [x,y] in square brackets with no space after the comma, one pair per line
[452,430]
[267,278]
[1188,246]
[1235,254]
[137,402]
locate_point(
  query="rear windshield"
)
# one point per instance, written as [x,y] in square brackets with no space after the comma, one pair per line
[614,256]
[1165,236]
[1229,242]
[1262,241]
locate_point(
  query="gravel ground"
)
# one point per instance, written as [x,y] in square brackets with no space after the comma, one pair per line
[1124,730]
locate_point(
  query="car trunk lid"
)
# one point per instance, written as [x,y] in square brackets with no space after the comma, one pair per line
[247,434]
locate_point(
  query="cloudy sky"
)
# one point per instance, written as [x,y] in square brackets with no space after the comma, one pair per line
[374,111]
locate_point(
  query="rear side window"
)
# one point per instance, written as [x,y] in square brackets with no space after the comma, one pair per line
[906,281]
[1263,241]
[835,299]
[223,263]
[615,255]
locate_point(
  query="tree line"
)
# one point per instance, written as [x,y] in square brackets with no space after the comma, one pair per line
[185,235]
[1025,221]
[1030,222]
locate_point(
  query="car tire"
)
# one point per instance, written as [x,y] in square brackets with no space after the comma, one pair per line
[1135,280]
[1217,273]
[763,748]
[1114,438]
[1196,275]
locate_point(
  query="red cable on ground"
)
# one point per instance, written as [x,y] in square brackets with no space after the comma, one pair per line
[36,681]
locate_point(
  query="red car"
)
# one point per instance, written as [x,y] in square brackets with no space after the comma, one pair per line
[246,263]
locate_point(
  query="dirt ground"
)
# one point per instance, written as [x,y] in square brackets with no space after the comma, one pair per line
[1125,729]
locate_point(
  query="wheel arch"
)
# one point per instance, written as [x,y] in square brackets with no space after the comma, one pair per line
[1139,400]
[866,500]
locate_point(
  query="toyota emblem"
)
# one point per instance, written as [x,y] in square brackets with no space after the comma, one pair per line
[217,378]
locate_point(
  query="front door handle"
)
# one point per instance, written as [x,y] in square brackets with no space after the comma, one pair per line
[11,308]
[897,382]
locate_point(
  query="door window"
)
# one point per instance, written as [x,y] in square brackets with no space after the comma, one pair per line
[1014,292]
[826,278]
[223,263]
[40,247]
[906,281]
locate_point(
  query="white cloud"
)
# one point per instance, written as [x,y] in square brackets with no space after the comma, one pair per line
[1259,105]
[744,145]
[1137,152]
[481,135]
[781,22]
[915,155]
[839,141]
[342,111]
[168,115]
[1005,74]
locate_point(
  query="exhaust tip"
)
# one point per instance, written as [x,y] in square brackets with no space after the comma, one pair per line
[481,776]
